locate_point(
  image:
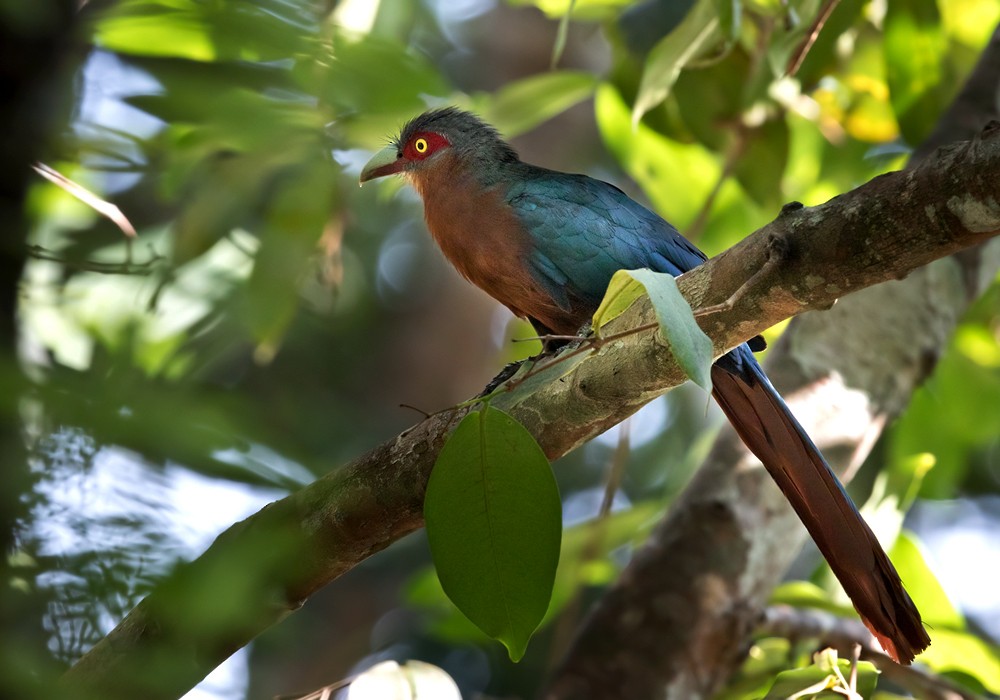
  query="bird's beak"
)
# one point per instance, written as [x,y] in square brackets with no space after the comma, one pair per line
[385,162]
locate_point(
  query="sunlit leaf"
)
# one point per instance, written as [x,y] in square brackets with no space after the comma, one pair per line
[936,609]
[206,31]
[970,21]
[951,417]
[962,652]
[978,344]
[676,177]
[590,10]
[689,344]
[522,105]
[494,523]
[804,594]
[914,55]
[820,680]
[698,31]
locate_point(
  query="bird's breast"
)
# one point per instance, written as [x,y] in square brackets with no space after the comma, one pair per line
[481,236]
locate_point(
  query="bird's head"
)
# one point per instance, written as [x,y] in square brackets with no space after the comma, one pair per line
[428,141]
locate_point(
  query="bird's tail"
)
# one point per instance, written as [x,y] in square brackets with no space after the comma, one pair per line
[768,428]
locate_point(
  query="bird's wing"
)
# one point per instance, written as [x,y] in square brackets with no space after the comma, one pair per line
[583,230]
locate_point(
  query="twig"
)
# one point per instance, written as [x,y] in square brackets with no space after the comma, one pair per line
[800,54]
[849,637]
[124,268]
[101,206]
[733,155]
[772,261]
[590,344]
[421,411]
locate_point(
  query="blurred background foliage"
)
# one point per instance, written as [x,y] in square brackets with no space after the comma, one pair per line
[269,319]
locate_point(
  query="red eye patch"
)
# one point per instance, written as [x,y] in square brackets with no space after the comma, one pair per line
[423,144]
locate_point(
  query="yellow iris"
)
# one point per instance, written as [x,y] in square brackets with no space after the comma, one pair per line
[420,145]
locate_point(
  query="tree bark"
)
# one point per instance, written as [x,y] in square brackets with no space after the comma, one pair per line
[679,621]
[882,230]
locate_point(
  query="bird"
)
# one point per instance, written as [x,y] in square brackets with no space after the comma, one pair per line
[546,243]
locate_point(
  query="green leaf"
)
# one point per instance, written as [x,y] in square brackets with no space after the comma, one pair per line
[376,85]
[302,199]
[915,45]
[494,522]
[805,594]
[963,652]
[935,608]
[820,680]
[622,292]
[730,14]
[692,348]
[590,10]
[561,34]
[522,105]
[698,30]
[267,30]
[584,560]
[662,166]
[761,167]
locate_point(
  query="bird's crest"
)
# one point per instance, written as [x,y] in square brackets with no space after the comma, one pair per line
[467,133]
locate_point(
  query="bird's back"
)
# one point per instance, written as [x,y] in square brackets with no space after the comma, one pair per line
[583,230]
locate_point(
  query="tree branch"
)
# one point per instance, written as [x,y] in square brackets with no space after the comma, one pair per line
[843,373]
[882,230]
[844,634]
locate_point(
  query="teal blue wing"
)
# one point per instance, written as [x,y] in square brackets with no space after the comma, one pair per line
[584,230]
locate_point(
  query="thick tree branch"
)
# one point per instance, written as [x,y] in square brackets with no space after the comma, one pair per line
[678,622]
[883,230]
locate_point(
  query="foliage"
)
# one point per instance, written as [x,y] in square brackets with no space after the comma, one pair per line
[494,525]
[690,345]
[270,316]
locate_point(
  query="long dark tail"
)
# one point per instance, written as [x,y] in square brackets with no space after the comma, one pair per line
[768,428]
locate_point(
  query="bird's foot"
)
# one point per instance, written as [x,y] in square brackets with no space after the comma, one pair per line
[506,373]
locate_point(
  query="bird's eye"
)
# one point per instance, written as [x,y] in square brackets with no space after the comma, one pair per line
[420,145]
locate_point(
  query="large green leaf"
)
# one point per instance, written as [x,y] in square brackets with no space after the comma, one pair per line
[690,345]
[494,523]
[584,560]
